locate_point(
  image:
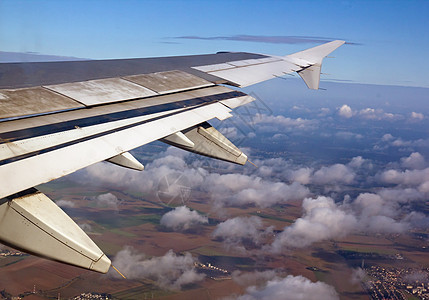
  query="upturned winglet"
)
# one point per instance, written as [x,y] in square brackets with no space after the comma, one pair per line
[313,57]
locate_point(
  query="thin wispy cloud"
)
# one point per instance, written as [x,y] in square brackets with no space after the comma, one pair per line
[277,39]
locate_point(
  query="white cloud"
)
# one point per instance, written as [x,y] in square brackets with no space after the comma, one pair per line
[253,278]
[377,114]
[324,111]
[328,175]
[322,219]
[239,190]
[345,111]
[182,218]
[357,162]
[242,233]
[85,227]
[107,200]
[290,288]
[367,113]
[335,174]
[417,116]
[387,137]
[284,123]
[302,175]
[414,161]
[390,140]
[377,214]
[407,177]
[65,203]
[224,189]
[346,135]
[170,271]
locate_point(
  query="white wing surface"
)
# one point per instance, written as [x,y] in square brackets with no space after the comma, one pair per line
[243,73]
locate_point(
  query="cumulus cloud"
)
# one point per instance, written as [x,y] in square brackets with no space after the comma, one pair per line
[322,219]
[387,137]
[242,233]
[107,200]
[147,182]
[170,271]
[182,218]
[253,278]
[65,203]
[324,111]
[290,288]
[378,215]
[345,111]
[417,116]
[357,162]
[376,114]
[407,177]
[85,227]
[368,113]
[228,188]
[335,174]
[302,175]
[414,161]
[389,140]
[239,190]
[329,175]
[283,123]
[347,135]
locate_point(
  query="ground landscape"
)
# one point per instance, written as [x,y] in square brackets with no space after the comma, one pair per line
[337,207]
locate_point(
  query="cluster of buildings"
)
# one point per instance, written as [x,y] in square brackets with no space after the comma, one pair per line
[396,283]
[213,272]
[11,252]
[92,296]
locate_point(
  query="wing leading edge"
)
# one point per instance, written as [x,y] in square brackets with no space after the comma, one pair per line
[53,128]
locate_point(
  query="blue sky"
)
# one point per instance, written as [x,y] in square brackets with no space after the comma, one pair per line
[390,38]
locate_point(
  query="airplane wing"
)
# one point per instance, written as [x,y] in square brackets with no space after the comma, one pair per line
[59,117]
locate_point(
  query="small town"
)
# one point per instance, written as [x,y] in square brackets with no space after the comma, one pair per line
[10,252]
[213,272]
[92,296]
[396,283]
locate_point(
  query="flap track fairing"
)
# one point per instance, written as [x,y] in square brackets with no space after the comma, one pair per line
[210,142]
[33,223]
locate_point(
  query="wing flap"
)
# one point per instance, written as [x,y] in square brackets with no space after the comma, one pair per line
[79,154]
